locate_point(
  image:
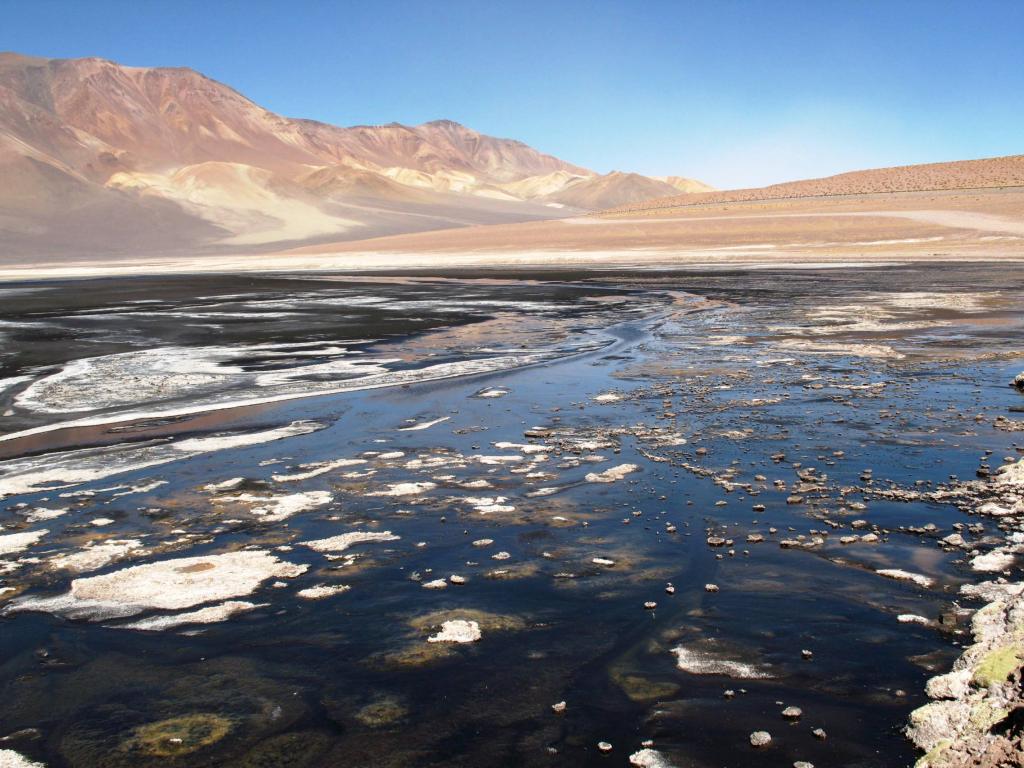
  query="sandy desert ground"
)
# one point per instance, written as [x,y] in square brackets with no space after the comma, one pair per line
[976,225]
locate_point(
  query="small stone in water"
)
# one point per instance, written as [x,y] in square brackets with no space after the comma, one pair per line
[650,605]
[559,707]
[604,746]
[710,587]
[760,739]
[792,713]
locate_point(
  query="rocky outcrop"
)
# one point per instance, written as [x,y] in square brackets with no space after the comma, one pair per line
[973,718]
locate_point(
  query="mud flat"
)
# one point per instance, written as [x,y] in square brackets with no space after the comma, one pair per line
[713,518]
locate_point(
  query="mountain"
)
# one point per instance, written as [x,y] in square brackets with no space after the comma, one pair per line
[100,158]
[988,173]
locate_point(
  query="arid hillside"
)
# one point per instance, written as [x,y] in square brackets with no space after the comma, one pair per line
[994,172]
[100,159]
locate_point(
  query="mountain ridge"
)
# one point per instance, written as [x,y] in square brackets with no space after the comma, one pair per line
[96,143]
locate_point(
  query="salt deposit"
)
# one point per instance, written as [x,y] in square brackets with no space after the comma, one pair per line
[68,468]
[210,615]
[457,631]
[405,489]
[315,470]
[164,585]
[611,474]
[11,759]
[321,591]
[896,573]
[277,508]
[423,425]
[702,663]
[345,540]
[17,542]
[96,554]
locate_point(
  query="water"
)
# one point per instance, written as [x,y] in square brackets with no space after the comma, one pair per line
[716,373]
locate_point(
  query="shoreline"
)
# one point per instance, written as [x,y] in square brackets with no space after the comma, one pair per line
[412,263]
[969,721]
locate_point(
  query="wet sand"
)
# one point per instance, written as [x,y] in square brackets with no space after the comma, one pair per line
[702,476]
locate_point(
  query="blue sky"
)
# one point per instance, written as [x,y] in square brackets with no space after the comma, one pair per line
[734,93]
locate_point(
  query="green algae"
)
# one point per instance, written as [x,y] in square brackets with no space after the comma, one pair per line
[996,666]
[178,735]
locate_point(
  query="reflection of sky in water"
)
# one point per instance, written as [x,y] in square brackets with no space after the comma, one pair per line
[352,679]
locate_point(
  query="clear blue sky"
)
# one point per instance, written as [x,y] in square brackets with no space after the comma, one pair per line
[735,93]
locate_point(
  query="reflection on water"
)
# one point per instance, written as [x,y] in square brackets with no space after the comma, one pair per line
[658,509]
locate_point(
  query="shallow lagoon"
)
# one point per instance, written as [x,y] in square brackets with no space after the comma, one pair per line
[902,371]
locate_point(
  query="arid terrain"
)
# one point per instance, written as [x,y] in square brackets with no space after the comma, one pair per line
[104,160]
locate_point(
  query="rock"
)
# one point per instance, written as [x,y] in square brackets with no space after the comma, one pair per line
[802,764]
[558,707]
[716,541]
[710,587]
[792,713]
[819,733]
[604,746]
[649,758]
[760,739]
[650,605]
[1018,381]
[993,561]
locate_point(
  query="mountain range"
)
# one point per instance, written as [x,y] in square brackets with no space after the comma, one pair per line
[103,159]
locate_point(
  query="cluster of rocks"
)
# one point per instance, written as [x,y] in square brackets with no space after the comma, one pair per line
[971,720]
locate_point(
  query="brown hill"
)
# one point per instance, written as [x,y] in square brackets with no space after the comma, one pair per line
[963,174]
[615,188]
[100,158]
